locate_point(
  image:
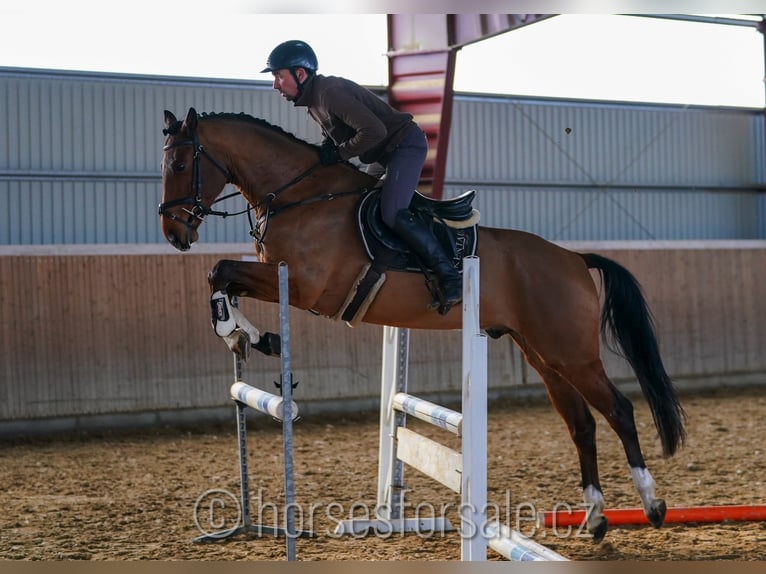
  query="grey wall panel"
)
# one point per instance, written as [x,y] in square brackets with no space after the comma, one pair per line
[55,212]
[97,123]
[64,212]
[762,215]
[608,214]
[578,170]
[518,141]
[80,155]
[81,152]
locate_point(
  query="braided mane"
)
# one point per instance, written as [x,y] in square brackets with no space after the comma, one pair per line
[242,116]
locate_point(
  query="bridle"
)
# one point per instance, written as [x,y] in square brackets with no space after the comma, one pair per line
[199,211]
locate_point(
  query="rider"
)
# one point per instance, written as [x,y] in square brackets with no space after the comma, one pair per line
[355,122]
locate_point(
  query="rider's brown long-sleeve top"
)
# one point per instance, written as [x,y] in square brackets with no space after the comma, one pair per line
[357,120]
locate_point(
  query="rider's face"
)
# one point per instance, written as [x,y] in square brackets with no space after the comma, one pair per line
[285,83]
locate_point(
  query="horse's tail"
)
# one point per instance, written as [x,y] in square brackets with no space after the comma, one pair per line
[626,314]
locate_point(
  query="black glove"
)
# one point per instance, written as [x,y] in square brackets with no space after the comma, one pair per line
[329,153]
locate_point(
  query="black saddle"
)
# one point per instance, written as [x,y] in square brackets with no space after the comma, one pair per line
[453,221]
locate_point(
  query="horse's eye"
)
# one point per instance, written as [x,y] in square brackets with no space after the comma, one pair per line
[178,166]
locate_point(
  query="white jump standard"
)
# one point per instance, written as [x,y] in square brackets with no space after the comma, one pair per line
[464,472]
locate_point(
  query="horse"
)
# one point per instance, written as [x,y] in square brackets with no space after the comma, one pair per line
[540,294]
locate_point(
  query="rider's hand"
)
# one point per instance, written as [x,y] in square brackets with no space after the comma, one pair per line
[329,153]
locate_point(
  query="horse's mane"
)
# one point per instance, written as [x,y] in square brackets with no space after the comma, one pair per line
[242,116]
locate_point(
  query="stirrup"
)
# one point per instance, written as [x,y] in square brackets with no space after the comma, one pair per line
[433,288]
[445,306]
[456,285]
[440,302]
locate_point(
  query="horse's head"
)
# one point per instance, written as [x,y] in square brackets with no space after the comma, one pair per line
[191,180]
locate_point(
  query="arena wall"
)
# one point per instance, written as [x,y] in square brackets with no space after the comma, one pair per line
[101,319]
[91,332]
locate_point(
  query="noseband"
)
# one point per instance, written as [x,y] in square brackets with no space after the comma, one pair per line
[197,210]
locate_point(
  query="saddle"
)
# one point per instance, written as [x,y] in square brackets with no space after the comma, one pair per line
[454,222]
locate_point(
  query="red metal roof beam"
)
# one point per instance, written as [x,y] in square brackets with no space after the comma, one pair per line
[421,70]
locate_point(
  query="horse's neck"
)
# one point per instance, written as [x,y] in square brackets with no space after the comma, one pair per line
[290,168]
[258,164]
[264,161]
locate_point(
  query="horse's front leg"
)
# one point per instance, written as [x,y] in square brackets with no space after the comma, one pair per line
[246,279]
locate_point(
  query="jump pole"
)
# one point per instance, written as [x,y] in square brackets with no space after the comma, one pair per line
[678,515]
[279,407]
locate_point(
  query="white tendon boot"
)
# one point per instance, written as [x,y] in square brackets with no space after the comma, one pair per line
[231,325]
[222,317]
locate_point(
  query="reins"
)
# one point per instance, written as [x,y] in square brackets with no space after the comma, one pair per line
[259,229]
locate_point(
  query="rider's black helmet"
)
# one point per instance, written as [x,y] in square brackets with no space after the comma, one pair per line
[292,54]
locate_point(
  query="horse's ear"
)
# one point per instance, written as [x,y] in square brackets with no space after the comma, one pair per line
[191,119]
[170,119]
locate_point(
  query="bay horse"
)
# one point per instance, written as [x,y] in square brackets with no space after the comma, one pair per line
[540,294]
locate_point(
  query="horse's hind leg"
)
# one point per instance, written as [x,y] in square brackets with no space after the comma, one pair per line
[582,429]
[596,388]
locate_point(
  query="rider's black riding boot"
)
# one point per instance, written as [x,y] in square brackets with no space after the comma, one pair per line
[423,242]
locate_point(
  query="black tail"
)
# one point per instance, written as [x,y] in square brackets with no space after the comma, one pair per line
[626,315]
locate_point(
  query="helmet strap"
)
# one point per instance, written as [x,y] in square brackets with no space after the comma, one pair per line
[298,83]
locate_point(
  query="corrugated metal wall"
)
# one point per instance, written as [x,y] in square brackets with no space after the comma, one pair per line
[80,154]
[587,171]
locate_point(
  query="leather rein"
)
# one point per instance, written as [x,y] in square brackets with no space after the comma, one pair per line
[199,211]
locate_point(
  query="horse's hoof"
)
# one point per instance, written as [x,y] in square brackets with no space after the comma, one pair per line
[270,344]
[656,513]
[599,531]
[239,344]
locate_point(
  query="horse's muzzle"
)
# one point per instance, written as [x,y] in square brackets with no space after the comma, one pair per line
[177,243]
[180,237]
